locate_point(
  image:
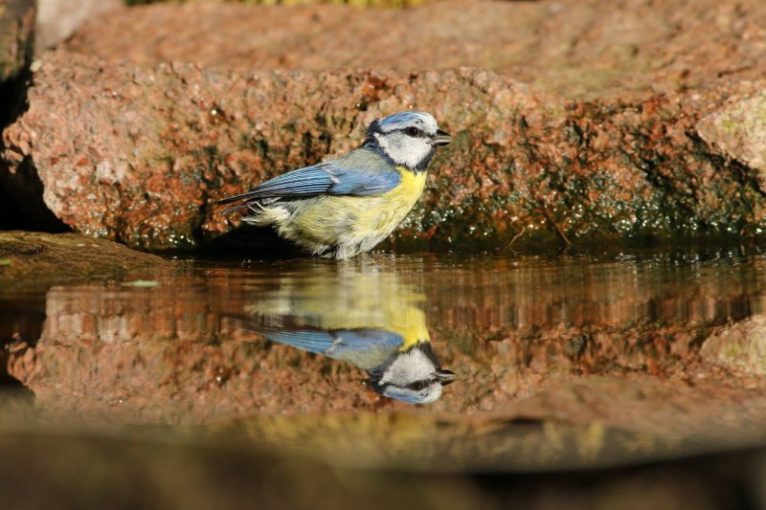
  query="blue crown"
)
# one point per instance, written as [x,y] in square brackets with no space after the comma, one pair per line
[401,119]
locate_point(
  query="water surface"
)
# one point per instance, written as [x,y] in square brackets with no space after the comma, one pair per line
[518,361]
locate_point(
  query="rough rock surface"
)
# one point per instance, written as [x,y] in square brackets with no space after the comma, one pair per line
[138,154]
[608,129]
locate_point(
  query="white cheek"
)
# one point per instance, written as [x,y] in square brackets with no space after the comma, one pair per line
[417,153]
[404,150]
[409,367]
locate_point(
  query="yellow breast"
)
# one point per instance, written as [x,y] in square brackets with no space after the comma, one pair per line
[360,222]
[392,207]
[410,188]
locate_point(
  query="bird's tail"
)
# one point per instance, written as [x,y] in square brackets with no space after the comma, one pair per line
[234,208]
[263,211]
[263,214]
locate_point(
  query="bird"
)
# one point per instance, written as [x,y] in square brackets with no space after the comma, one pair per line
[399,367]
[361,316]
[345,206]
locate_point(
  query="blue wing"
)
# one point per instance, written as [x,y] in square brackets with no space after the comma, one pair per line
[323,179]
[336,343]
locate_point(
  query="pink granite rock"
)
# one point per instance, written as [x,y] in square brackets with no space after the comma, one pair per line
[139,152]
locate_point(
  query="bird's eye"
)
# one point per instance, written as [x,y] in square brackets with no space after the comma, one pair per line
[412,131]
[419,385]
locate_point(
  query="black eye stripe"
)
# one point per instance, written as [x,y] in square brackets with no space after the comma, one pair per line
[413,131]
[419,385]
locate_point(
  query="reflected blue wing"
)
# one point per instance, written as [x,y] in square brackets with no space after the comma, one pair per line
[323,179]
[335,343]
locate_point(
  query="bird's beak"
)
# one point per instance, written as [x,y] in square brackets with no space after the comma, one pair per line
[445,376]
[441,138]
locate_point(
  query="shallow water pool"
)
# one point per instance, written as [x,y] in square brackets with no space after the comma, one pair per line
[488,362]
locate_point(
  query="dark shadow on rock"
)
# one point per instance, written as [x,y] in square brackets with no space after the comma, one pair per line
[17,21]
[24,209]
[10,218]
[247,241]
[14,94]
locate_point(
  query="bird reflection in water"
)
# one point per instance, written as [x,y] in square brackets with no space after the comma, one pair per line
[357,314]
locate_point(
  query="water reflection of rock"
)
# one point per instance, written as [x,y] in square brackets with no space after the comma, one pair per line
[532,295]
[512,331]
[741,346]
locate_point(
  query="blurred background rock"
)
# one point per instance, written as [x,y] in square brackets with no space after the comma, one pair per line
[58,19]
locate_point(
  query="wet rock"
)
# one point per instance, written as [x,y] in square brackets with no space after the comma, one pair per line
[58,19]
[139,155]
[35,260]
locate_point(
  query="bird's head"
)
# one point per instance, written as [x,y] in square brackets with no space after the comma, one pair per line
[413,376]
[408,138]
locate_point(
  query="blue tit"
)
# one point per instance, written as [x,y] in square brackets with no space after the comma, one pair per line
[340,208]
[361,316]
[397,368]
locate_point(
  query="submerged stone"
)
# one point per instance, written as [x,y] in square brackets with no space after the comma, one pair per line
[38,260]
